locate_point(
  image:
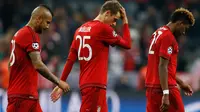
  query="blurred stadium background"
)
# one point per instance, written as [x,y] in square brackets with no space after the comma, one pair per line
[126,92]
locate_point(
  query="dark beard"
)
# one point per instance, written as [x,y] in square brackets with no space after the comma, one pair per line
[39,31]
[177,34]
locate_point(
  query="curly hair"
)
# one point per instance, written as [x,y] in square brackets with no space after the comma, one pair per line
[182,14]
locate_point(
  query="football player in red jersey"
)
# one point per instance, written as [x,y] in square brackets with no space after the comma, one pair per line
[91,47]
[25,63]
[161,81]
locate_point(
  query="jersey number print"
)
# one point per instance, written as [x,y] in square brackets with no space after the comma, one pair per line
[84,45]
[156,35]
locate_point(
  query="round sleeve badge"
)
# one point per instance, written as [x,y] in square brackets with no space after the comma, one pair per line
[169,50]
[35,45]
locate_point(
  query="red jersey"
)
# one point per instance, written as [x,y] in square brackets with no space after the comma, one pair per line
[91,46]
[162,44]
[23,76]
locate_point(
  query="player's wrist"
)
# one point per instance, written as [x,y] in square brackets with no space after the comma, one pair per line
[166,92]
[57,82]
[125,21]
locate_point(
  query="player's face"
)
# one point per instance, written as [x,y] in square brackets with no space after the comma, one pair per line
[181,28]
[112,18]
[45,23]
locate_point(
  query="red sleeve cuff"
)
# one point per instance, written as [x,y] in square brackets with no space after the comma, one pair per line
[164,55]
[126,25]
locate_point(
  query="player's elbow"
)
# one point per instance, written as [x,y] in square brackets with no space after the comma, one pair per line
[129,43]
[128,46]
[37,65]
[162,68]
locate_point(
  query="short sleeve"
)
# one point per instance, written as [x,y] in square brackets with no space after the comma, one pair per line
[107,34]
[28,40]
[166,48]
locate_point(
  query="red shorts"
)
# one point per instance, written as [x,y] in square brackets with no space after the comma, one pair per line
[154,99]
[93,100]
[16,104]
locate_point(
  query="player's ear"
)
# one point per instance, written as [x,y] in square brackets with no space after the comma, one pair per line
[108,12]
[39,19]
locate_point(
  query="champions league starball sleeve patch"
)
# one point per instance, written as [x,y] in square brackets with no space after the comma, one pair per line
[35,45]
[169,50]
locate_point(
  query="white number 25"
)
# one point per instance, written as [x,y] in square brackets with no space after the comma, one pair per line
[156,35]
[84,45]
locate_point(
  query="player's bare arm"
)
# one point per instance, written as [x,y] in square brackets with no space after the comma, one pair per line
[163,76]
[179,81]
[41,68]
[163,73]
[185,87]
[44,71]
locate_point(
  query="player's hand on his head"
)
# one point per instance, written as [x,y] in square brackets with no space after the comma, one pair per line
[64,86]
[123,15]
[187,89]
[165,103]
[56,94]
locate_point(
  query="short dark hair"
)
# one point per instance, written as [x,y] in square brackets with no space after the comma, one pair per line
[182,14]
[113,5]
[47,7]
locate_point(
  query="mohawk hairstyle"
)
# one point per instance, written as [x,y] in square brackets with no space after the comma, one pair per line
[182,14]
[47,7]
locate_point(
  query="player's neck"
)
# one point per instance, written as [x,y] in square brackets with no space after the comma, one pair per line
[31,24]
[100,18]
[171,26]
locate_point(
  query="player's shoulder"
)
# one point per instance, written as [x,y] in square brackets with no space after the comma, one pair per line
[23,32]
[165,30]
[25,35]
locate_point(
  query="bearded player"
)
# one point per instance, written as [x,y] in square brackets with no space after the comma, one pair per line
[25,64]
